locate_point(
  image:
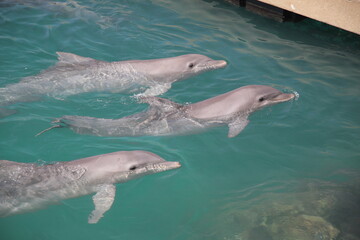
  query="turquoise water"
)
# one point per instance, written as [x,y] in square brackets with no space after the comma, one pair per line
[314,138]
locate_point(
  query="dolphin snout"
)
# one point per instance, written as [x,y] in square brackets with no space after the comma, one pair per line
[172,165]
[284,97]
[213,64]
[163,166]
[220,63]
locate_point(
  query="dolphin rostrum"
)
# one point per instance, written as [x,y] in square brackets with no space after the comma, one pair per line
[26,186]
[168,118]
[74,74]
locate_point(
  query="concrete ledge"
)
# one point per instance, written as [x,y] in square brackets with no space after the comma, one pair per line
[343,14]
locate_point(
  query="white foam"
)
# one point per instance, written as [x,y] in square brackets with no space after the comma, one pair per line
[297,95]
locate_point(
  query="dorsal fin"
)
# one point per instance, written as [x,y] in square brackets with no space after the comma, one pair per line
[70,58]
[160,102]
[65,60]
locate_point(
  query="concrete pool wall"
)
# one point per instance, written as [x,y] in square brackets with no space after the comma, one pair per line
[344,14]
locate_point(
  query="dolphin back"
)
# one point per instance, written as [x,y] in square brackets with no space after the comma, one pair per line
[26,186]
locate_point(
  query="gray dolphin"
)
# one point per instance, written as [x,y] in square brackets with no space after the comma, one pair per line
[74,74]
[168,118]
[25,187]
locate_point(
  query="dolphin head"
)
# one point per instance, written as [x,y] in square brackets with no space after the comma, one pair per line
[243,100]
[125,165]
[262,96]
[194,64]
[176,68]
[142,163]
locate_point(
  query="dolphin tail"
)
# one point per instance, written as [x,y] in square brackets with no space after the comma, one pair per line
[48,129]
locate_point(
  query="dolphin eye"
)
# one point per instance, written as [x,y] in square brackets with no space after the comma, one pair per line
[132,168]
[261,99]
[191,65]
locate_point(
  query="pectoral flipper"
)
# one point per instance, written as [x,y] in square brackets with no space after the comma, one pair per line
[103,200]
[237,126]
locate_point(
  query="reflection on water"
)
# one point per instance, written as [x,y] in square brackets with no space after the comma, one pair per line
[68,9]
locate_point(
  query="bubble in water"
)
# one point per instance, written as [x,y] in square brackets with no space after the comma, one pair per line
[297,95]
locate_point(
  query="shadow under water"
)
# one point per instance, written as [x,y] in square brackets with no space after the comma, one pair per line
[313,210]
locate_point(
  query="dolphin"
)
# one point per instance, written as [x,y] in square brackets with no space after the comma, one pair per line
[165,117]
[74,74]
[27,186]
